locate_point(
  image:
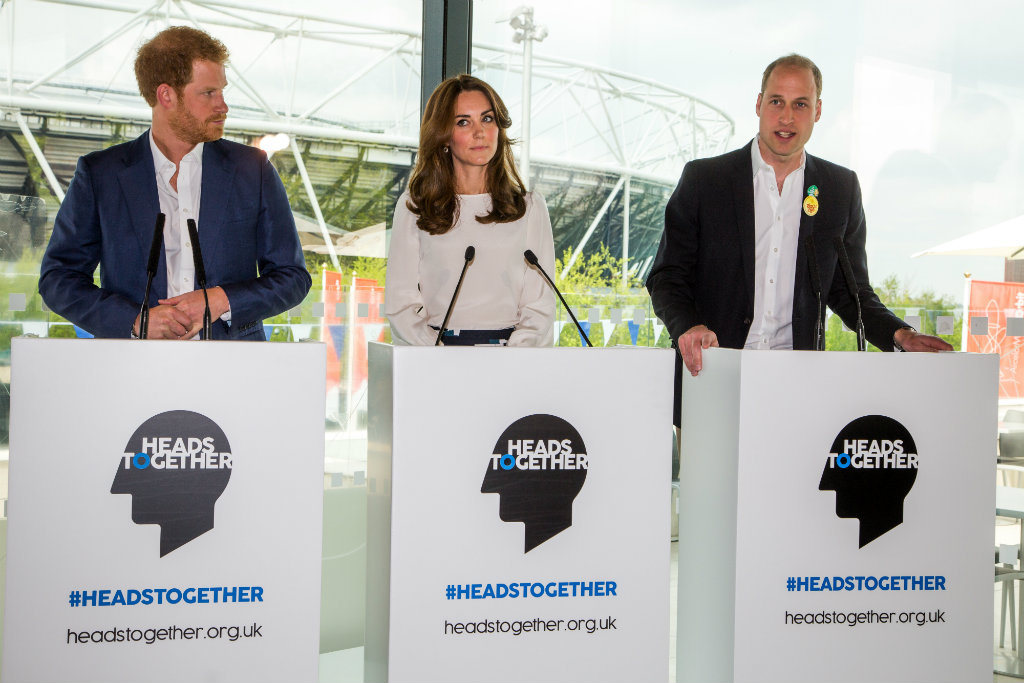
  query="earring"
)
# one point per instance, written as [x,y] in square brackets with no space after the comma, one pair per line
[446,149]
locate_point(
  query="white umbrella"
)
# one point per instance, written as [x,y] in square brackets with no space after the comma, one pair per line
[369,241]
[1005,239]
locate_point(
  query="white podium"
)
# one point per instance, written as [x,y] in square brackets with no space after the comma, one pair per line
[518,520]
[836,517]
[164,511]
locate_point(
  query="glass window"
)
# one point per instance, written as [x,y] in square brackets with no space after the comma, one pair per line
[332,97]
[901,87]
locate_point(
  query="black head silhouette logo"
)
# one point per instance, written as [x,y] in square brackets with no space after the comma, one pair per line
[872,466]
[175,467]
[538,467]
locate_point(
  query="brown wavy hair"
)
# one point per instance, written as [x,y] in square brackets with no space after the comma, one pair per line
[432,190]
[168,56]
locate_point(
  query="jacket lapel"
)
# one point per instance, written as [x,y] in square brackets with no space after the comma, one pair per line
[138,183]
[218,175]
[744,204]
[810,180]
[803,330]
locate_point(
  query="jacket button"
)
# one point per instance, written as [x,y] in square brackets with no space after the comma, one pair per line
[746,321]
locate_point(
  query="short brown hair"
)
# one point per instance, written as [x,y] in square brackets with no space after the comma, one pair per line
[168,56]
[793,61]
[432,184]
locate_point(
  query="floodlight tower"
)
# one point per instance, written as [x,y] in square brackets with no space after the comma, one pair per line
[526,32]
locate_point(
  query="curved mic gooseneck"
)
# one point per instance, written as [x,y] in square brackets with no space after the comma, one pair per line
[531,258]
[470,253]
[155,247]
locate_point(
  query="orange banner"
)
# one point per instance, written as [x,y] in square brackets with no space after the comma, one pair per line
[348,321]
[368,326]
[332,326]
[999,301]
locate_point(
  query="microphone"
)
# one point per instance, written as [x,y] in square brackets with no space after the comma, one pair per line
[812,266]
[531,258]
[470,253]
[155,248]
[851,283]
[197,258]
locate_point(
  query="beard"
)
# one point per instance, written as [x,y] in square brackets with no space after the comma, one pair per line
[187,128]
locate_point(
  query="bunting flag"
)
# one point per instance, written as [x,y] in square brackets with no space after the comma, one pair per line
[335,313]
[658,327]
[585,326]
[337,337]
[609,327]
[300,332]
[634,331]
[373,331]
[559,324]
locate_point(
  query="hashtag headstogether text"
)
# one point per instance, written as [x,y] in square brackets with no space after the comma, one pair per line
[531,589]
[164,596]
[865,583]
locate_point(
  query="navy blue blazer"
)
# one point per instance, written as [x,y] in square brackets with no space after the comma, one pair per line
[246,231]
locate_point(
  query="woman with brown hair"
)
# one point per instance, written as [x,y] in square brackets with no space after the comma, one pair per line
[465,192]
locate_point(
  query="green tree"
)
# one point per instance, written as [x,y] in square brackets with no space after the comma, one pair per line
[595,281]
[593,277]
[902,301]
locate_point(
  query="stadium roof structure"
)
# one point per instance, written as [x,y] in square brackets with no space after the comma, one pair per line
[346,94]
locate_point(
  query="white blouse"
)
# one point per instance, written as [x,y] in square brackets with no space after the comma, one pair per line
[501,289]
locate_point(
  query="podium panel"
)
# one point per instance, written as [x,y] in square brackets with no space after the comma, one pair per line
[518,514]
[164,511]
[836,517]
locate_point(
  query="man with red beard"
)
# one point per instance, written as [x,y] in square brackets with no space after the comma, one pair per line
[182,168]
[732,268]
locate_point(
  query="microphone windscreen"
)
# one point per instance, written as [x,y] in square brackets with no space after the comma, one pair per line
[470,252]
[531,258]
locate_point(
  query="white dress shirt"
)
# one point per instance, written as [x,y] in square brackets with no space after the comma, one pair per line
[776,236]
[179,206]
[500,290]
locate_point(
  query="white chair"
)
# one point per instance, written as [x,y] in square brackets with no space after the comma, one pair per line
[1008,574]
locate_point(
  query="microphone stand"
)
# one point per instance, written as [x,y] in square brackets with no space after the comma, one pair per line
[197,257]
[531,258]
[851,283]
[812,265]
[151,266]
[470,253]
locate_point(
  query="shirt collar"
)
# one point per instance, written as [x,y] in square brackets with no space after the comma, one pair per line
[161,163]
[759,164]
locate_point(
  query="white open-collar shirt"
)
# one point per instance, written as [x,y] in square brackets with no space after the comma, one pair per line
[776,237]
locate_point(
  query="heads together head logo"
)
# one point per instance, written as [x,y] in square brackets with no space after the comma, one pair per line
[872,466]
[175,467]
[538,467]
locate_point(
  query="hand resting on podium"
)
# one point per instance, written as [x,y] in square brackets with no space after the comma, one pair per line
[692,342]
